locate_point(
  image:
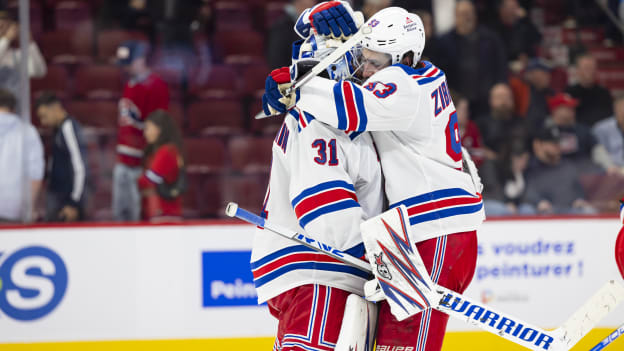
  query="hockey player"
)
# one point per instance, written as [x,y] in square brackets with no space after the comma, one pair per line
[407,105]
[324,183]
[619,243]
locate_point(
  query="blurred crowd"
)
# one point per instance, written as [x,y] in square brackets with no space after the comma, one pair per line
[145,107]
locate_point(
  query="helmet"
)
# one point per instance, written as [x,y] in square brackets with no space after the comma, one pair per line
[395,32]
[306,54]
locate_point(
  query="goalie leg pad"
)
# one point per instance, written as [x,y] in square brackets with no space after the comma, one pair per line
[358,325]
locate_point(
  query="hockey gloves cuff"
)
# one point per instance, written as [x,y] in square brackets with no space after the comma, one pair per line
[277,96]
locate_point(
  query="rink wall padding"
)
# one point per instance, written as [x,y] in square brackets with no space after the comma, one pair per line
[187,287]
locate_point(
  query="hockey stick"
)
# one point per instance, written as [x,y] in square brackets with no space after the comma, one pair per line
[232,210]
[324,63]
[473,312]
[609,339]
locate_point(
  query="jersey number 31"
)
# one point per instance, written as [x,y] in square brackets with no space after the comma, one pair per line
[323,152]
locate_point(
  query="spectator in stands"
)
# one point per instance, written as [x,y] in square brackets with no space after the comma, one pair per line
[470,134]
[21,163]
[144,93]
[595,101]
[504,180]
[281,34]
[501,122]
[552,182]
[163,181]
[472,56]
[67,176]
[371,7]
[610,133]
[531,94]
[520,36]
[10,56]
[576,141]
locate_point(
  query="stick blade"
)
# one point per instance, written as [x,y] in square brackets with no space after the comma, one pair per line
[594,310]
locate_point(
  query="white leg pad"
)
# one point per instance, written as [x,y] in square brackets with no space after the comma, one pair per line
[358,325]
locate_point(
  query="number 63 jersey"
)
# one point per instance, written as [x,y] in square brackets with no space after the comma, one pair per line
[416,132]
[324,182]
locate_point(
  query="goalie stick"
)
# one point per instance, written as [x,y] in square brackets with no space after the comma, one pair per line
[473,312]
[324,63]
[609,339]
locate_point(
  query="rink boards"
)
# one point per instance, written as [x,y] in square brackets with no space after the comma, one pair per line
[189,286]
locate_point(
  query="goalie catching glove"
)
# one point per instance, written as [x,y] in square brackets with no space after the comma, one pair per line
[277,96]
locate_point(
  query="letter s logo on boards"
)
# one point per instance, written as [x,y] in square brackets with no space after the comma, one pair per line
[33,281]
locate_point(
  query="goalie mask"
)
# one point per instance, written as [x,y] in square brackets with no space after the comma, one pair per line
[307,53]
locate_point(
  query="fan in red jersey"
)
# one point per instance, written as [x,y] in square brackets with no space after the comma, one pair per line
[163,181]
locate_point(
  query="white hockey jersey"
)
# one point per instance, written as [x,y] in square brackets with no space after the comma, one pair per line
[324,183]
[416,132]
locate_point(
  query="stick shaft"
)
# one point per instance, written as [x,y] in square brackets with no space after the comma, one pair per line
[301,238]
[609,339]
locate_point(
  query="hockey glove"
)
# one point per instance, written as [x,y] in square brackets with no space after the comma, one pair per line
[277,98]
[331,18]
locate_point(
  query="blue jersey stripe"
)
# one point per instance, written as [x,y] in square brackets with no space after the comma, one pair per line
[277,254]
[338,206]
[359,101]
[340,109]
[447,212]
[428,79]
[318,266]
[434,195]
[320,187]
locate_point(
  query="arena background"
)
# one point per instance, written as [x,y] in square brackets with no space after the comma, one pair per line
[186,285]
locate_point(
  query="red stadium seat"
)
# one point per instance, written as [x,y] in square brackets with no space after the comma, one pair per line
[248,191]
[211,197]
[68,47]
[174,78]
[267,126]
[240,47]
[70,15]
[98,82]
[94,113]
[215,116]
[273,11]
[611,77]
[204,155]
[251,155]
[230,15]
[56,80]
[217,81]
[254,77]
[109,40]
[177,112]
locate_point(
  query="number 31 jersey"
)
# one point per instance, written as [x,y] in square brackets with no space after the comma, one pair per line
[324,183]
[415,128]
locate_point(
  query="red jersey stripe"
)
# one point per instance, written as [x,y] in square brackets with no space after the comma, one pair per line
[443,203]
[297,257]
[317,200]
[351,109]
